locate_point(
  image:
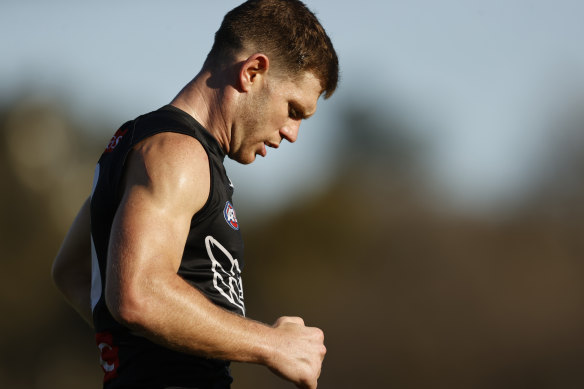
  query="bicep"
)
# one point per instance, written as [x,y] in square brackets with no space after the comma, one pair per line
[71,270]
[145,235]
[166,182]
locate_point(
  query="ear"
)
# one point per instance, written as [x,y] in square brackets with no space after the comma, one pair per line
[252,70]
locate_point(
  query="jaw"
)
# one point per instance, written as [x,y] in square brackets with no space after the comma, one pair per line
[242,158]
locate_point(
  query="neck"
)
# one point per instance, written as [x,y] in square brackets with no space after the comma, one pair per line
[207,106]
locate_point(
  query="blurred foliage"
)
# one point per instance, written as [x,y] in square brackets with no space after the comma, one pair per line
[46,165]
[408,296]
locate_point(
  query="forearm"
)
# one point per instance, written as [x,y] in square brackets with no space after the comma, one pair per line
[162,194]
[171,312]
[178,316]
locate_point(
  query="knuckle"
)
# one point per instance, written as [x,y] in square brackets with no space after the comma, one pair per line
[294,319]
[320,334]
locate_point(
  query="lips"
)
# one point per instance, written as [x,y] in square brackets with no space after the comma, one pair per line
[263,151]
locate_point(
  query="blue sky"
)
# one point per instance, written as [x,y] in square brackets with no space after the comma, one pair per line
[476,77]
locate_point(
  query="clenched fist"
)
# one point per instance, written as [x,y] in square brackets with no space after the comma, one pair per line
[298,352]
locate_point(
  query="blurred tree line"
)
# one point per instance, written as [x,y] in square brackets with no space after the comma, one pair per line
[409,296]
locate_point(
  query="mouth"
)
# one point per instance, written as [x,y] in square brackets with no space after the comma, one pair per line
[263,151]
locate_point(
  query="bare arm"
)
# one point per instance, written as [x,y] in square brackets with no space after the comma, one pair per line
[167,182]
[71,269]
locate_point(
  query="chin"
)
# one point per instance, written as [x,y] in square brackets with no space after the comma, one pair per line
[243,159]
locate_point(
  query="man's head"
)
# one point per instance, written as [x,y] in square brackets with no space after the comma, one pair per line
[286,31]
[269,110]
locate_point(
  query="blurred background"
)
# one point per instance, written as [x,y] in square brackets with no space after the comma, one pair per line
[429,218]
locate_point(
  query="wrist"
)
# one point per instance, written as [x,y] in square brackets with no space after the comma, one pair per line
[265,348]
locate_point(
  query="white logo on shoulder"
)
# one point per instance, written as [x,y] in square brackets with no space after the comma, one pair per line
[227,282]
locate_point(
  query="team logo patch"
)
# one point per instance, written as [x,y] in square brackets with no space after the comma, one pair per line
[229,215]
[108,355]
[226,273]
[115,140]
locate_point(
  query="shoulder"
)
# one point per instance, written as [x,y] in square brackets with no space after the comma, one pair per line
[172,147]
[171,167]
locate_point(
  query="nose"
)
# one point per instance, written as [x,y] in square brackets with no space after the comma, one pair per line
[290,131]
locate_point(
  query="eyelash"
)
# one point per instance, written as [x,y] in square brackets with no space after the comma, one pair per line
[292,113]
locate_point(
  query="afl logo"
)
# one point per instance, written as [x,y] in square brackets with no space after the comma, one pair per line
[229,215]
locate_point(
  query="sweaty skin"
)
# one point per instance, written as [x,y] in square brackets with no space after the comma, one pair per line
[166,181]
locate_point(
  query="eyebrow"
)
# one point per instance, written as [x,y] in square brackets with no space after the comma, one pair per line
[297,107]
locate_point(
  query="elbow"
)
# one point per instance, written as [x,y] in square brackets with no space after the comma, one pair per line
[56,275]
[127,308]
[60,276]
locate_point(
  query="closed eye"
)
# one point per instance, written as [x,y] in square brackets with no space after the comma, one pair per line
[295,113]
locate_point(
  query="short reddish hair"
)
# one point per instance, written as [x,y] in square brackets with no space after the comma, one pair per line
[286,31]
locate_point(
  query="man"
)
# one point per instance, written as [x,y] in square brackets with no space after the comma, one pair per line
[162,284]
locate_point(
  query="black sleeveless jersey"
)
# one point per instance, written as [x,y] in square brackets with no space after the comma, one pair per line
[212,261]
